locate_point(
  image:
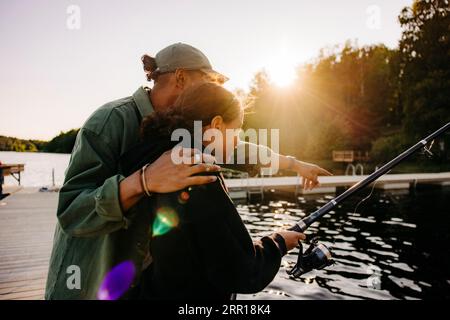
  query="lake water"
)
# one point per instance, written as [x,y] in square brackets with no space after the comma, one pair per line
[38,167]
[396,246]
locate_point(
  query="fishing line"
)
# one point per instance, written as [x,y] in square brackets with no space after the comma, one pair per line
[340,229]
[313,241]
[427,151]
[366,198]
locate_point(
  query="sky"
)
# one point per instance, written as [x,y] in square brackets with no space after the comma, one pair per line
[60,60]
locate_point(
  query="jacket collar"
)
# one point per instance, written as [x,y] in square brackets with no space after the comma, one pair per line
[142,99]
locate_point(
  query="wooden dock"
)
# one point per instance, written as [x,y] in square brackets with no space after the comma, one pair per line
[27,222]
[239,187]
[13,170]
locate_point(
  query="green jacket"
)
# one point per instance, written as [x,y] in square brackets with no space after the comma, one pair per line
[92,234]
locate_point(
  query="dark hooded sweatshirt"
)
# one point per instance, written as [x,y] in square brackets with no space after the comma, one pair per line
[208,253]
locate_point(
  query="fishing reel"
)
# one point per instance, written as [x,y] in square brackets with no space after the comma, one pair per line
[316,257]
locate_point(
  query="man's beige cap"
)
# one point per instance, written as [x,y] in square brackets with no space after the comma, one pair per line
[184,56]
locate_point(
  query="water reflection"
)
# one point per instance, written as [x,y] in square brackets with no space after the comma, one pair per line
[397,246]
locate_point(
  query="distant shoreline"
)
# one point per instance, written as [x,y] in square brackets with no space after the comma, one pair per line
[37,152]
[62,143]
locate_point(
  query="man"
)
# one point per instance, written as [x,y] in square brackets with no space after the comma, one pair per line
[99,221]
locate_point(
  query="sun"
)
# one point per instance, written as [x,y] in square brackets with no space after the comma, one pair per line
[281,68]
[281,74]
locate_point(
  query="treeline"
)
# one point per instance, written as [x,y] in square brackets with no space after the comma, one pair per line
[19,145]
[62,143]
[368,98]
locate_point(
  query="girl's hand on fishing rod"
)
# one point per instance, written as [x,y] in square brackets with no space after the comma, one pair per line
[310,173]
[291,238]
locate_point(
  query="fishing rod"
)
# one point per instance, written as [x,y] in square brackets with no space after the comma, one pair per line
[318,256]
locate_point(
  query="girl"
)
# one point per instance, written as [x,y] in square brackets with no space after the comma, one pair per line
[199,245]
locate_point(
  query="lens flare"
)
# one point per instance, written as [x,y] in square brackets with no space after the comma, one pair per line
[183,197]
[117,281]
[166,219]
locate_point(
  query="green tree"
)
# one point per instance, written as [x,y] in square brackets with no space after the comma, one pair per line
[62,143]
[425,66]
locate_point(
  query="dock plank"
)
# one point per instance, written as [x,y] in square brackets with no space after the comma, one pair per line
[27,223]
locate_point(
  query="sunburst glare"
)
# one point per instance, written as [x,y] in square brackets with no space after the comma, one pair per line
[166,219]
[117,281]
